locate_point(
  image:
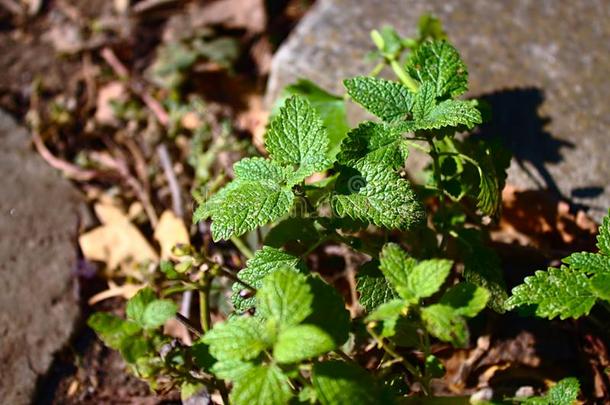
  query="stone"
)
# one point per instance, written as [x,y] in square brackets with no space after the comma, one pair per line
[542,64]
[38,256]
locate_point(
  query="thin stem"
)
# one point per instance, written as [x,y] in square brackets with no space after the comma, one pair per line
[241,246]
[417,146]
[223,271]
[344,356]
[403,76]
[391,350]
[434,154]
[204,303]
[377,69]
[189,325]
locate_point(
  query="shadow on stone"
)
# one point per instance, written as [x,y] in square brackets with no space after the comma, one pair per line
[517,121]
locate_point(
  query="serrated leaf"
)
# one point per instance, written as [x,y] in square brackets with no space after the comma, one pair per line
[297,136]
[448,113]
[257,168]
[247,205]
[413,280]
[111,329]
[330,107]
[565,392]
[560,292]
[264,262]
[238,338]
[386,99]
[301,342]
[592,263]
[603,237]
[375,194]
[285,297]
[442,321]
[466,299]
[339,383]
[439,62]
[376,142]
[425,101]
[157,313]
[138,303]
[388,314]
[373,287]
[261,385]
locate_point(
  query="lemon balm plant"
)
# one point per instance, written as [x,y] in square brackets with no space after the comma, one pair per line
[289,337]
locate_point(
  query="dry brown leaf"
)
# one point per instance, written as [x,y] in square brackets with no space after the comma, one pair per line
[254,120]
[126,291]
[116,240]
[114,91]
[169,232]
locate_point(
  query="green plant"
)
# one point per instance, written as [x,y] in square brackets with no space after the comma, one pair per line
[289,337]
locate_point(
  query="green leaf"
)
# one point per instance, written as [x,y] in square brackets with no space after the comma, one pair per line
[376,142]
[232,370]
[261,385]
[373,287]
[244,205]
[560,292]
[138,303]
[297,229]
[430,27]
[302,342]
[565,392]
[200,353]
[387,100]
[339,383]
[238,338]
[448,113]
[373,193]
[603,237]
[328,311]
[413,280]
[157,313]
[285,297]
[388,314]
[297,136]
[592,263]
[439,62]
[425,101]
[466,299]
[443,322]
[112,329]
[600,284]
[264,262]
[330,107]
[135,348]
[257,168]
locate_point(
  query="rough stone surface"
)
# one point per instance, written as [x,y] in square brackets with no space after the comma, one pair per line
[543,64]
[38,231]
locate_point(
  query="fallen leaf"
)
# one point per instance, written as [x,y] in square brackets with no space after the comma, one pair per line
[126,291]
[117,240]
[114,91]
[169,232]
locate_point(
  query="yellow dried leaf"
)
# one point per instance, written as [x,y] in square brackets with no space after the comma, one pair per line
[169,232]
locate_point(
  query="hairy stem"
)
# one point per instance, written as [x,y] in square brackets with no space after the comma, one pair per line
[204,302]
[241,246]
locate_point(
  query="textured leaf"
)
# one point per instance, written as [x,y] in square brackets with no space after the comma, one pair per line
[285,297]
[261,385]
[442,322]
[264,262]
[603,237]
[339,383]
[376,142]
[375,194]
[466,299]
[330,107]
[302,342]
[386,99]
[388,314]
[600,284]
[592,263]
[138,303]
[413,280]
[247,205]
[565,392]
[232,370]
[439,62]
[373,287]
[257,168]
[297,229]
[297,136]
[157,313]
[448,113]
[425,101]
[237,339]
[557,292]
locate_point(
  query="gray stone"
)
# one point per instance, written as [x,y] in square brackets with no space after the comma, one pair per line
[38,301]
[543,64]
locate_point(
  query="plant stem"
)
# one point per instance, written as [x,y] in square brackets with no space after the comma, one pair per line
[391,350]
[377,69]
[204,302]
[241,246]
[434,154]
[403,76]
